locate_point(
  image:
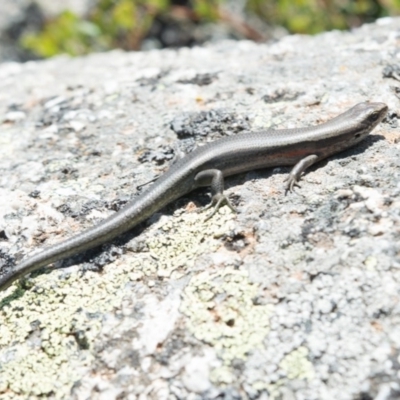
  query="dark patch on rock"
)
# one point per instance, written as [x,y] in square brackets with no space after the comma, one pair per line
[200,79]
[213,124]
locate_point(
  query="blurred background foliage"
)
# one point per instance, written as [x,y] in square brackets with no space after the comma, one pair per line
[138,24]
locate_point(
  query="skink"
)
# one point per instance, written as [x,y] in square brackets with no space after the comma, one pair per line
[208,165]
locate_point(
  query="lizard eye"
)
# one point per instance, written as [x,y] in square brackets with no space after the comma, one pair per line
[374,116]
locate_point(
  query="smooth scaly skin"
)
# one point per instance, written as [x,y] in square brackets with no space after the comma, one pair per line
[208,165]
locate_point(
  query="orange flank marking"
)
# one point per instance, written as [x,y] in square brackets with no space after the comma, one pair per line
[295,153]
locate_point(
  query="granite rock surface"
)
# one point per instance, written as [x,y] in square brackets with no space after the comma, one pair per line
[293,297]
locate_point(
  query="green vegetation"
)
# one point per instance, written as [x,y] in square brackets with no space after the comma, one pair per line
[313,16]
[66,34]
[125,23]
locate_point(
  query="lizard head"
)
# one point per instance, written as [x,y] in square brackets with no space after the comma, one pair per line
[367,116]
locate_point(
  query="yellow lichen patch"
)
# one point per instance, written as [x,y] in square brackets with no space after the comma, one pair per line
[221,311]
[46,334]
[296,365]
[183,239]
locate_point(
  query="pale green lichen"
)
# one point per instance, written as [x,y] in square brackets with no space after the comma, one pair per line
[47,333]
[222,375]
[370,263]
[221,311]
[39,330]
[184,239]
[296,364]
